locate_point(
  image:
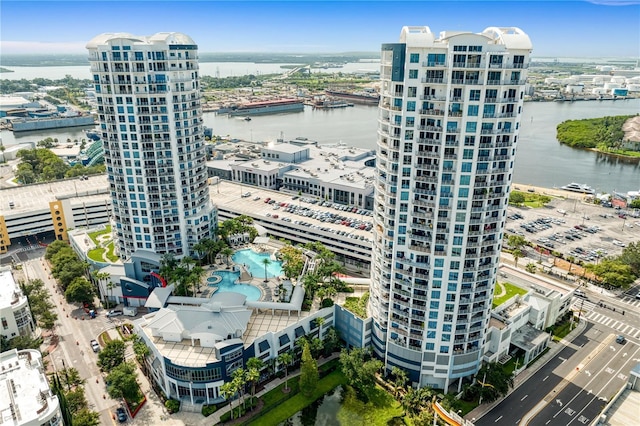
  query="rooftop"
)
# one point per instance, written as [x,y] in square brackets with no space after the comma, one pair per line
[30,198]
[10,293]
[24,389]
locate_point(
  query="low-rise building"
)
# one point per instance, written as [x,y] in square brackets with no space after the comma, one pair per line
[14,307]
[25,396]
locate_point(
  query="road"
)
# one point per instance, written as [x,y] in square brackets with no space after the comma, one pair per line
[73,349]
[580,400]
[558,393]
[524,399]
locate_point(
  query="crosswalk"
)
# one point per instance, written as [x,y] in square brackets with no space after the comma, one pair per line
[620,326]
[631,301]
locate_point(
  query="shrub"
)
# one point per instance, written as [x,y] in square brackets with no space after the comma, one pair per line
[208,410]
[172,405]
[326,303]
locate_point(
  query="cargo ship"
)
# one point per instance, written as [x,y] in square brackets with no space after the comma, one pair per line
[28,124]
[267,107]
[368,98]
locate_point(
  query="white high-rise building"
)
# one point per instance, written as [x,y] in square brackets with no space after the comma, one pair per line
[448,123]
[148,94]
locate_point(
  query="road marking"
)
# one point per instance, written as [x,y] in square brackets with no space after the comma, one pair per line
[616,324]
[607,321]
[559,402]
[624,330]
[583,420]
[569,411]
[545,378]
[498,419]
[622,376]
[587,372]
[563,359]
[548,421]
[624,354]
[524,397]
[609,370]
[637,334]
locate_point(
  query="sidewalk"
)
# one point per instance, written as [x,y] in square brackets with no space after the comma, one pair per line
[526,374]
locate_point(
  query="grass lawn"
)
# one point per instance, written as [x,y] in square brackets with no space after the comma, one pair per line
[510,291]
[96,254]
[111,247]
[532,199]
[94,235]
[283,410]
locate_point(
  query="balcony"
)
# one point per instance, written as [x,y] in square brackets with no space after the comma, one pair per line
[438,80]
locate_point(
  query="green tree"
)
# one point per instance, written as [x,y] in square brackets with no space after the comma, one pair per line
[516,241]
[76,400]
[86,417]
[266,262]
[360,370]
[631,256]
[227,252]
[399,380]
[285,359]
[122,382]
[70,378]
[80,290]
[308,372]
[254,366]
[530,267]
[517,254]
[516,198]
[111,355]
[614,273]
[635,204]
[494,381]
[228,390]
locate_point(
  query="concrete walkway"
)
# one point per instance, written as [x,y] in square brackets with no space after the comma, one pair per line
[520,379]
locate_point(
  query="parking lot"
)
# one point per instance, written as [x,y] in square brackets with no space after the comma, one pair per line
[573,228]
[343,221]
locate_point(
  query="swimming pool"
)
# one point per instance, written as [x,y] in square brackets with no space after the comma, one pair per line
[228,283]
[254,260]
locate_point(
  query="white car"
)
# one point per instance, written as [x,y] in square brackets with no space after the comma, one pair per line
[618,243]
[95,346]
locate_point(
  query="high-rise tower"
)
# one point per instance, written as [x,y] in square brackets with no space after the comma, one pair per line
[148,95]
[448,123]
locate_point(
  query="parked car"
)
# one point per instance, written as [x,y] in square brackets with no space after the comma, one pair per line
[620,339]
[114,313]
[95,346]
[122,414]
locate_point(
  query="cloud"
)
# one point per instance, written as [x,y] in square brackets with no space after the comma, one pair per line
[18,47]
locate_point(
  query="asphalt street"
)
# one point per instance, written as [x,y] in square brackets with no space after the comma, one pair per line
[597,381]
[73,349]
[523,399]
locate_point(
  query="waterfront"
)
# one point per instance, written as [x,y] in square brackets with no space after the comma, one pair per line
[213,69]
[540,160]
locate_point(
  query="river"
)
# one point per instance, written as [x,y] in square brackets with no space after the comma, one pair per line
[213,69]
[540,160]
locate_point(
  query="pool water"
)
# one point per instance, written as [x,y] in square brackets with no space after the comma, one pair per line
[253,260]
[228,283]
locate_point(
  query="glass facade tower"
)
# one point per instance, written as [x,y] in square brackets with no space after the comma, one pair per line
[448,123]
[150,118]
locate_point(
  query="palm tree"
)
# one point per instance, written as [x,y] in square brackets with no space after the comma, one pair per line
[400,379]
[252,375]
[254,365]
[100,276]
[571,259]
[266,262]
[240,379]
[285,359]
[517,254]
[227,252]
[228,390]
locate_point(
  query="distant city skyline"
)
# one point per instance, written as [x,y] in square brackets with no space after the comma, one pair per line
[580,28]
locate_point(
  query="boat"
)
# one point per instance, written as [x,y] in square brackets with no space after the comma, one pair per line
[27,124]
[331,103]
[578,187]
[369,98]
[267,107]
[247,119]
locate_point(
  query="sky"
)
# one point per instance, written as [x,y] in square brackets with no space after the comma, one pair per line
[578,28]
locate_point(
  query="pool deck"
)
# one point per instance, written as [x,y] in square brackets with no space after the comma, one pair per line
[264,321]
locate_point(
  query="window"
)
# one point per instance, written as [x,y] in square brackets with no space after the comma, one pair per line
[465,179]
[414,58]
[474,95]
[411,105]
[467,154]
[444,349]
[410,121]
[413,73]
[466,167]
[472,110]
[471,126]
[463,192]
